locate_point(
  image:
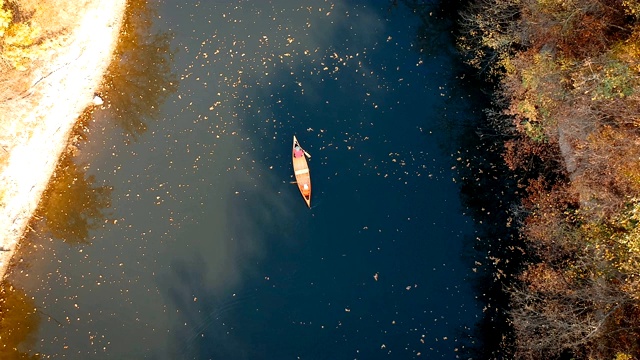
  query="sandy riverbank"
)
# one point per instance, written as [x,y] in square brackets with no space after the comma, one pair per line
[67,89]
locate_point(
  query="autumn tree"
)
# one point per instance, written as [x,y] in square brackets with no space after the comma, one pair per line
[583,297]
[568,81]
[29,31]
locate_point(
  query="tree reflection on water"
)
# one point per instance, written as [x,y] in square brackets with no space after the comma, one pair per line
[73,205]
[137,82]
[19,321]
[139,78]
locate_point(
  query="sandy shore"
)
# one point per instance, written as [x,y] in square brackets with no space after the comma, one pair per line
[65,92]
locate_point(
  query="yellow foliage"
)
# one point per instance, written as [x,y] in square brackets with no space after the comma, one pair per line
[538,89]
[559,9]
[18,44]
[628,51]
[556,4]
[5,18]
[22,42]
[528,110]
[623,356]
[619,243]
[506,62]
[632,7]
[21,34]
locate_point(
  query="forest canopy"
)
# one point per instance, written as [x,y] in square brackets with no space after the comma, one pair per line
[567,98]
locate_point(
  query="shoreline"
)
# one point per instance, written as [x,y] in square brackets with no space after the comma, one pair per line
[73,78]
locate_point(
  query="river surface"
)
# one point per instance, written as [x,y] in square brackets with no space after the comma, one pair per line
[182,234]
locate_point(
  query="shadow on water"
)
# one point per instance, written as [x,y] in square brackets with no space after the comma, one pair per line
[434,33]
[19,322]
[488,189]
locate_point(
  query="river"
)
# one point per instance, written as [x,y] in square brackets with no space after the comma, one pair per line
[175,232]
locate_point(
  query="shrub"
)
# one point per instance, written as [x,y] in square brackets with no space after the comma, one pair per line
[6,15]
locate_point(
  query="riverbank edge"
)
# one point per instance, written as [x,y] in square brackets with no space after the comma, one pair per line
[73,78]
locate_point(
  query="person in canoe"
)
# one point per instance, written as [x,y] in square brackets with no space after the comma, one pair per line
[297,152]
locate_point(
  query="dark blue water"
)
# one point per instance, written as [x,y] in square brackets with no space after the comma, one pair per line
[207,250]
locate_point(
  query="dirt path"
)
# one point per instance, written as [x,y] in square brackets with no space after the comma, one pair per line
[66,90]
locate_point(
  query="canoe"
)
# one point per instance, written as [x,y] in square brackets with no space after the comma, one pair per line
[301,171]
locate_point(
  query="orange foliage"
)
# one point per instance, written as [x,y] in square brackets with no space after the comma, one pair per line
[570,89]
[543,278]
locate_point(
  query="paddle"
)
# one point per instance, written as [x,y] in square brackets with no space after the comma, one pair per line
[306,154]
